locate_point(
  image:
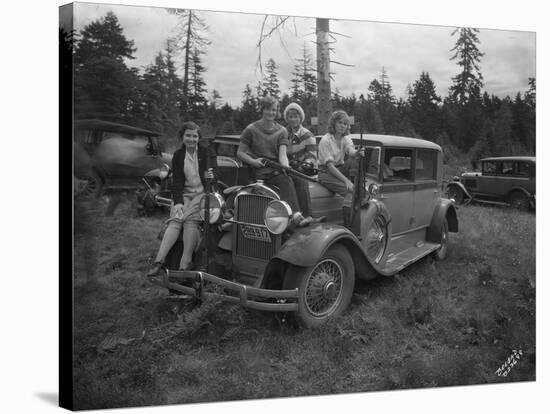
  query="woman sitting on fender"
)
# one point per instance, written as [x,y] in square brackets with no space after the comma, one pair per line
[191,165]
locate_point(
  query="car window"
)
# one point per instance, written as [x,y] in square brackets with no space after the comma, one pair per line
[397,165]
[426,164]
[507,168]
[523,169]
[229,150]
[489,168]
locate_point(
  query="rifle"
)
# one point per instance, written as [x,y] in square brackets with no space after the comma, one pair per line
[279,167]
[359,187]
[208,181]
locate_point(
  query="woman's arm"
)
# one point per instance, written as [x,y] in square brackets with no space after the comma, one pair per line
[336,173]
[246,158]
[283,158]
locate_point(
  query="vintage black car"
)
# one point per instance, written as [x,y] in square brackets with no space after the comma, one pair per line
[502,180]
[110,156]
[399,216]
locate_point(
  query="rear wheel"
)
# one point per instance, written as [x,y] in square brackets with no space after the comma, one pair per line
[324,289]
[93,185]
[519,200]
[455,193]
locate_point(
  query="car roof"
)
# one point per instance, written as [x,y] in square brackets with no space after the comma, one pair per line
[519,158]
[394,141]
[227,139]
[112,127]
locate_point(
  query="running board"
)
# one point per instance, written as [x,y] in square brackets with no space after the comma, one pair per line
[398,261]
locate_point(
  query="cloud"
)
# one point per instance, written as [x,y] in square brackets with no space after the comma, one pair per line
[404,50]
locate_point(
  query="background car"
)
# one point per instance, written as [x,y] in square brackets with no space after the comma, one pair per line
[502,180]
[110,156]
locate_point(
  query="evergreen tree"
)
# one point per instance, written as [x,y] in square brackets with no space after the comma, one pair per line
[191,36]
[104,86]
[270,85]
[424,110]
[468,83]
[197,86]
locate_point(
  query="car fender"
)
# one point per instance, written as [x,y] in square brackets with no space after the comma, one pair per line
[523,190]
[445,209]
[461,186]
[306,245]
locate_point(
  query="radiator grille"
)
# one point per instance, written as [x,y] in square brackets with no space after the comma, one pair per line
[251,209]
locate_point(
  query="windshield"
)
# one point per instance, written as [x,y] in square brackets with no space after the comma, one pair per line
[372,162]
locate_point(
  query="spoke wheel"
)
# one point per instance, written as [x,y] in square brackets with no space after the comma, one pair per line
[377,238]
[441,253]
[456,194]
[519,201]
[325,288]
[93,186]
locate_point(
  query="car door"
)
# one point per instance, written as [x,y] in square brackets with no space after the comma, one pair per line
[426,191]
[487,182]
[397,189]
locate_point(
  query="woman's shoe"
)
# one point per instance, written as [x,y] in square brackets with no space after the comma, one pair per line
[300,221]
[155,269]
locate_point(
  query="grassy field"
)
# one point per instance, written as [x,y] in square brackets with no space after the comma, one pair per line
[435,324]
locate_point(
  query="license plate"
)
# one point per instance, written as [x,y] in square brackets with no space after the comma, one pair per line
[255,233]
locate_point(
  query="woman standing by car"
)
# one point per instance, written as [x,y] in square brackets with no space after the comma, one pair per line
[333,169]
[267,139]
[192,164]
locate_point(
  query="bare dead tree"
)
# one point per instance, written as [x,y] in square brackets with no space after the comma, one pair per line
[323,42]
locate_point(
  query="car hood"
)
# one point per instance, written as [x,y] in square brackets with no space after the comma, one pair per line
[471,174]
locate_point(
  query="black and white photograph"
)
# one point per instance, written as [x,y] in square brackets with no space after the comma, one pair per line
[274,206]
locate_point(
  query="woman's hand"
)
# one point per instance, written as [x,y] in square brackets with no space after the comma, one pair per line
[361,152]
[349,185]
[178,210]
[209,174]
[258,163]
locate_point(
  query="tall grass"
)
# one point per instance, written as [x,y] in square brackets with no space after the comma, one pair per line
[434,324]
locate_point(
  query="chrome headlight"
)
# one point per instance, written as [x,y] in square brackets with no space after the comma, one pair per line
[216,207]
[373,189]
[164,171]
[277,216]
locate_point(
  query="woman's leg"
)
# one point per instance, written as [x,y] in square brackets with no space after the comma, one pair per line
[191,235]
[287,192]
[302,192]
[170,237]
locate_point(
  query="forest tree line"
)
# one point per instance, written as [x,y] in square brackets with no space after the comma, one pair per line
[468,122]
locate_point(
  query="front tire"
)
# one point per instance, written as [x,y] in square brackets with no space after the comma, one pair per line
[324,289]
[456,194]
[441,253]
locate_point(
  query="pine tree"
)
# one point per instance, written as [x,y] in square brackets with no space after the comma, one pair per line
[270,85]
[104,86]
[197,85]
[191,35]
[468,83]
[424,110]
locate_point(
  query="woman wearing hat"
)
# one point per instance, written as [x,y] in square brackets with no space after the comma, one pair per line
[302,151]
[191,165]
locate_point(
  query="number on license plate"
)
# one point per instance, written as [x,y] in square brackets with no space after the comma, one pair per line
[255,233]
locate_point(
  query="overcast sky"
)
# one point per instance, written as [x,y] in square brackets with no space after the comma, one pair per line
[404,50]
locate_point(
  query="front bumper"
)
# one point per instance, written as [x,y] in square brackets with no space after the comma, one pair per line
[246,296]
